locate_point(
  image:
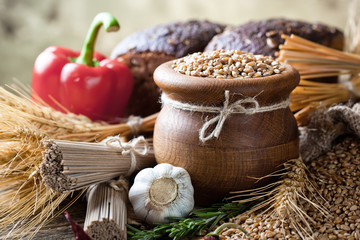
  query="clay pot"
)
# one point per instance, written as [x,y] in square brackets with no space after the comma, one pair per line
[249,146]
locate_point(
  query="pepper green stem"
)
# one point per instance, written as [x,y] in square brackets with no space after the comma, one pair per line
[227,225]
[87,51]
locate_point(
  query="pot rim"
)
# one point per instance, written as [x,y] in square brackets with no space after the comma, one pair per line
[191,88]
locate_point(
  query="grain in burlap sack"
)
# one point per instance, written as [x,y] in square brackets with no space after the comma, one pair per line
[303,209]
[326,125]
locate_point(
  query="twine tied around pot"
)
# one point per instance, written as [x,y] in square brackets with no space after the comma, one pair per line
[129,148]
[247,106]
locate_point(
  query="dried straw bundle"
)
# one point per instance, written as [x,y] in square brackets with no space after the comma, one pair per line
[133,126]
[66,126]
[284,198]
[47,120]
[316,61]
[25,203]
[22,194]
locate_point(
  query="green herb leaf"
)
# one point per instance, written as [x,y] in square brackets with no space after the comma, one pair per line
[198,221]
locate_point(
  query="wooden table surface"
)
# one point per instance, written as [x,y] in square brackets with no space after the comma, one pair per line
[59,228]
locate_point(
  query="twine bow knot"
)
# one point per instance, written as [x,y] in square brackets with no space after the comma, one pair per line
[239,106]
[131,147]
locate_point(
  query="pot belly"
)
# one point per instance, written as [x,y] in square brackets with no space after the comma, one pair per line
[249,147]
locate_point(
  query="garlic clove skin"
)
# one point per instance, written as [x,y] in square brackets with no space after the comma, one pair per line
[161,192]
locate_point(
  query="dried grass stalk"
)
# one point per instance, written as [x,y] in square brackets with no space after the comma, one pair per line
[284,198]
[70,165]
[106,214]
[313,61]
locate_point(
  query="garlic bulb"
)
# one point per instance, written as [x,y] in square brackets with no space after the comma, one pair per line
[161,192]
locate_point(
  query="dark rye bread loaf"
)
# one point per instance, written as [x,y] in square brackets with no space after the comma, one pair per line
[145,50]
[264,36]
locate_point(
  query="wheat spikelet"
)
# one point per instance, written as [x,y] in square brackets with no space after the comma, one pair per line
[66,126]
[284,198]
[48,120]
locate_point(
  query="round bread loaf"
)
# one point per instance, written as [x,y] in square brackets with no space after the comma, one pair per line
[145,50]
[264,36]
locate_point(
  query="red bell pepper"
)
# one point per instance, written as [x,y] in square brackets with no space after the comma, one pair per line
[83,82]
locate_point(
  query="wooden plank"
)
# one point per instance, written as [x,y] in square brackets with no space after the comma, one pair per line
[59,228]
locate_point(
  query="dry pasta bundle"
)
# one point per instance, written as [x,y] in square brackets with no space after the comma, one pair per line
[314,61]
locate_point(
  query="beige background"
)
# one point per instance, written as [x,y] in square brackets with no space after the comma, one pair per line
[29,26]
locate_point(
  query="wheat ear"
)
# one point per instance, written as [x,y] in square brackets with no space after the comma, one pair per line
[66,126]
[285,198]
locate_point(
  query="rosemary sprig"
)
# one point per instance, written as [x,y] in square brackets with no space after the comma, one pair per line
[199,220]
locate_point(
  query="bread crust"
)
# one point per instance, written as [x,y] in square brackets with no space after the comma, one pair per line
[145,50]
[176,39]
[264,36]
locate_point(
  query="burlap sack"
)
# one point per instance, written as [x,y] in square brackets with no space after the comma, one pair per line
[325,125]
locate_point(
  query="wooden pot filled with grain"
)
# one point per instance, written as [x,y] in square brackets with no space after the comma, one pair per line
[225,119]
